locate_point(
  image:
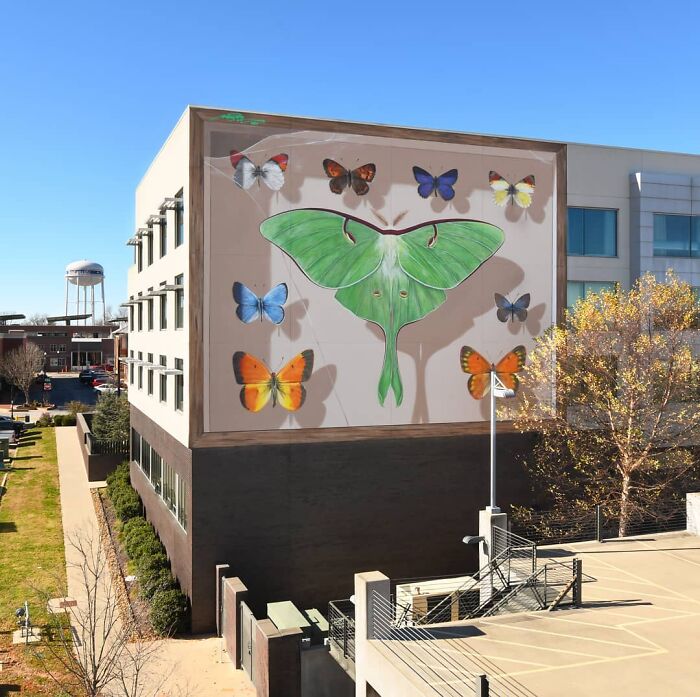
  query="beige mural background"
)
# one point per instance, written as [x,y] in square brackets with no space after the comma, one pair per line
[348,350]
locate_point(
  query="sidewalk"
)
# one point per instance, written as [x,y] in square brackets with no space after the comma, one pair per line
[193,663]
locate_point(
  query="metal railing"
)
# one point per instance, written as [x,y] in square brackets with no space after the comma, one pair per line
[97,446]
[341,627]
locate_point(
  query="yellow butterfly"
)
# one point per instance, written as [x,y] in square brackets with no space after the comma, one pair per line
[504,191]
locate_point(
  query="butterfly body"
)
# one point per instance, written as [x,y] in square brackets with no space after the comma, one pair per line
[507,310]
[503,191]
[357,179]
[480,369]
[442,184]
[246,172]
[251,307]
[260,385]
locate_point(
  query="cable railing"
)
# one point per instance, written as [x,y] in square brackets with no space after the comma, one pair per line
[341,627]
[437,656]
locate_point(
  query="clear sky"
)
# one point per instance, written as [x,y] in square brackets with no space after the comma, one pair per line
[90,90]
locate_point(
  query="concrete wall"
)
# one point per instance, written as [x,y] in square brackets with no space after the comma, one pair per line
[98,467]
[693,513]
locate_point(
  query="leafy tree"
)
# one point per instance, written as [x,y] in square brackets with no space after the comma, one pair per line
[621,429]
[111,419]
[20,366]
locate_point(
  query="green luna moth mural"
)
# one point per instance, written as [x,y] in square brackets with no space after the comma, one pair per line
[388,277]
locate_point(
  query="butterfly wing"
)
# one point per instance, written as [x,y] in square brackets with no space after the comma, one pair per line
[273,171]
[445,183]
[478,385]
[256,379]
[272,303]
[524,190]
[243,170]
[426,181]
[480,369]
[500,188]
[505,307]
[360,178]
[338,175]
[290,392]
[510,364]
[520,307]
[248,309]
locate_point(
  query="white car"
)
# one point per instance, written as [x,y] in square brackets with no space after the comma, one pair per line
[107,389]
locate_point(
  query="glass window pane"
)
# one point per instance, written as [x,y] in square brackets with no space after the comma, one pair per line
[671,235]
[574,291]
[600,232]
[598,286]
[695,236]
[575,231]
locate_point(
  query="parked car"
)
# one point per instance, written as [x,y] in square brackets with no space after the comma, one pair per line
[7,423]
[102,380]
[86,375]
[106,388]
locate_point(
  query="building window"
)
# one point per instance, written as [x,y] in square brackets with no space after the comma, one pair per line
[163,381]
[149,377]
[150,314]
[592,232]
[139,256]
[169,490]
[179,385]
[182,501]
[131,368]
[163,235]
[145,457]
[179,302]
[140,316]
[131,318]
[156,471]
[163,311]
[578,290]
[676,235]
[140,383]
[57,348]
[135,446]
[179,219]
[149,237]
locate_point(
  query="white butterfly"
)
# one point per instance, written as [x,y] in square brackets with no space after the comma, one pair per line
[503,191]
[246,173]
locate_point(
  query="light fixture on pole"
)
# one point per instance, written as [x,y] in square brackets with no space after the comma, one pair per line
[498,389]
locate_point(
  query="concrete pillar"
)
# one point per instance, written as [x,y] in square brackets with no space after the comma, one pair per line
[235,592]
[489,518]
[221,572]
[692,508]
[276,660]
[366,584]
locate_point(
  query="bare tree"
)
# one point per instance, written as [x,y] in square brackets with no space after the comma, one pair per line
[37,318]
[96,645]
[20,366]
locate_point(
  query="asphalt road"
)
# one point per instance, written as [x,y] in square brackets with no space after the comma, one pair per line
[67,388]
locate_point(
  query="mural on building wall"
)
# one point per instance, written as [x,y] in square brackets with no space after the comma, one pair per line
[389,277]
[479,369]
[507,310]
[505,192]
[383,257]
[251,306]
[260,384]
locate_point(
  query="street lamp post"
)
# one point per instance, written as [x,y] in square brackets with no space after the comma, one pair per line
[498,389]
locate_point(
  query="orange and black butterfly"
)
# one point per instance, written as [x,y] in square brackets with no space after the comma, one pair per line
[358,179]
[480,369]
[284,387]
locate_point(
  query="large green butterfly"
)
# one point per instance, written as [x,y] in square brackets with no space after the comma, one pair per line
[389,277]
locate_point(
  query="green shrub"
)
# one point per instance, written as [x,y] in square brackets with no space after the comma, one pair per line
[44,421]
[118,479]
[149,565]
[169,612]
[133,526]
[155,581]
[146,546]
[127,504]
[136,539]
[68,419]
[58,420]
[76,407]
[111,419]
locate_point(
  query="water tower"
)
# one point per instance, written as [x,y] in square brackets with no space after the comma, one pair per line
[85,276]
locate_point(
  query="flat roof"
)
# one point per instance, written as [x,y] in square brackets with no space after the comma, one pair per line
[636,634]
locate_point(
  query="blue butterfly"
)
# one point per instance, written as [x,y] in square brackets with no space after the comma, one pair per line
[512,311]
[428,184]
[250,306]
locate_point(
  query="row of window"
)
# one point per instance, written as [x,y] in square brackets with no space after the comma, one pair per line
[593,232]
[136,312]
[166,482]
[578,290]
[57,348]
[162,224]
[136,377]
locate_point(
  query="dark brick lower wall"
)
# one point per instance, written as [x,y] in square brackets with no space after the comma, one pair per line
[297,521]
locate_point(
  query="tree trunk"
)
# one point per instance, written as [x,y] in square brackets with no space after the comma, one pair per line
[624,505]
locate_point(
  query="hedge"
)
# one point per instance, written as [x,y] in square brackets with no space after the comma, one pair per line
[169,612]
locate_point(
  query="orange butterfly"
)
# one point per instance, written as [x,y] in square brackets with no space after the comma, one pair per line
[259,384]
[480,369]
[341,178]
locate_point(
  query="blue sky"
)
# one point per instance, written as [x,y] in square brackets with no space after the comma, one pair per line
[89,91]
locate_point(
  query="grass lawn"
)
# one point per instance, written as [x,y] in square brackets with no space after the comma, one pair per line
[31,552]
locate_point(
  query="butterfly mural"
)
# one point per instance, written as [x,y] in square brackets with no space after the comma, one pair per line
[357,179]
[520,192]
[260,385]
[480,369]
[246,173]
[251,307]
[388,277]
[506,310]
[442,185]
